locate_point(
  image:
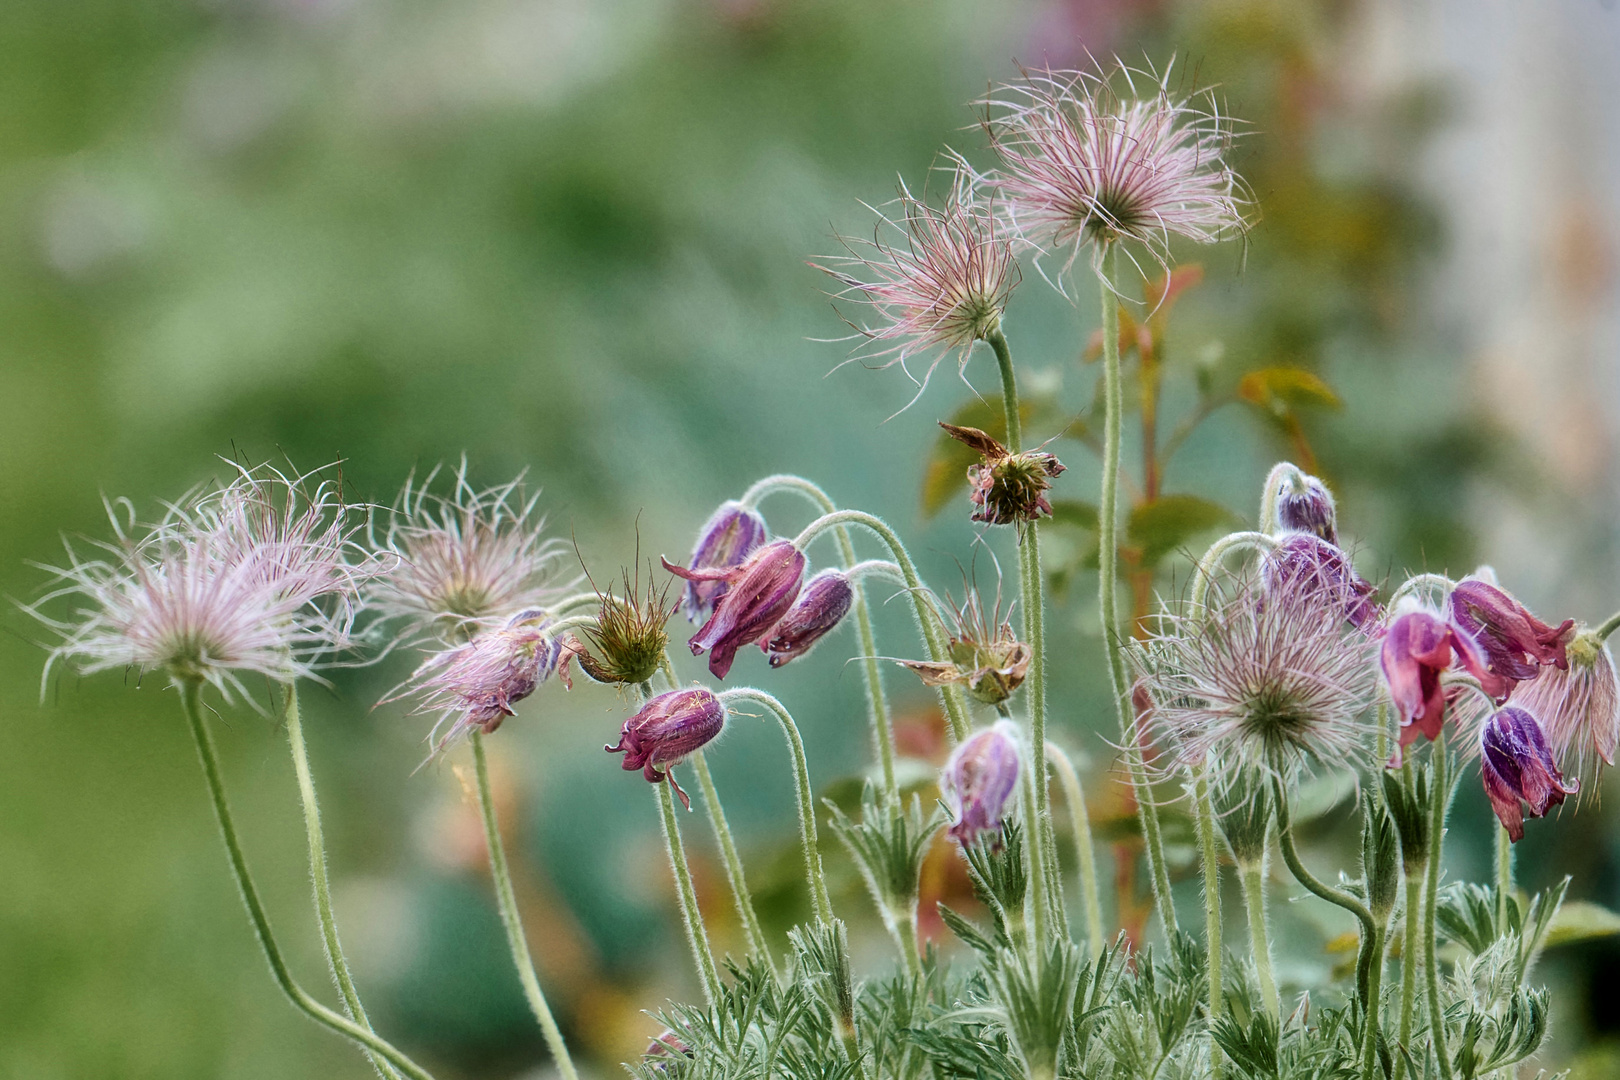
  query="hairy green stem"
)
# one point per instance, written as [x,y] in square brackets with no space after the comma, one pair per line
[1337,897]
[1038,894]
[1504,876]
[1253,877]
[1080,823]
[691,917]
[806,803]
[1372,1019]
[927,617]
[1107,582]
[876,704]
[190,703]
[501,874]
[734,868]
[1204,571]
[1421,581]
[1437,836]
[1280,472]
[1204,811]
[1411,944]
[335,959]
[1608,627]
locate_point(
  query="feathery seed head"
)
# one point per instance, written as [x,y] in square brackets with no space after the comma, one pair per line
[1579,705]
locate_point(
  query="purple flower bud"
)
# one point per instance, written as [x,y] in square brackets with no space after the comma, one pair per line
[979,779]
[664,1046]
[666,731]
[1516,643]
[758,594]
[1418,646]
[1517,765]
[729,536]
[1309,510]
[823,602]
[1307,562]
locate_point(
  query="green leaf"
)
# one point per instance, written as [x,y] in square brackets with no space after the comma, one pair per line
[1159,527]
[1580,920]
[945,475]
[1282,389]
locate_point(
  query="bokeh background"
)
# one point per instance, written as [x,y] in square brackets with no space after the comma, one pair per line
[569,236]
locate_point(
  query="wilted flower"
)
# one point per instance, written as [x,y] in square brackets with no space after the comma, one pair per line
[729,536]
[1305,563]
[1517,765]
[979,779]
[985,655]
[629,638]
[758,594]
[943,286]
[1079,164]
[467,560]
[1007,488]
[257,576]
[1308,507]
[1418,646]
[1515,642]
[477,684]
[667,730]
[822,604]
[1271,678]
[1579,705]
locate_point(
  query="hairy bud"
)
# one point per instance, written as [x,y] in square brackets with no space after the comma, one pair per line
[979,780]
[727,539]
[758,594]
[1517,766]
[822,604]
[1308,508]
[667,730]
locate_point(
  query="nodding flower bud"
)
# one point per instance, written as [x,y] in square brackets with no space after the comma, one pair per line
[1516,643]
[667,730]
[1417,648]
[758,594]
[822,604]
[730,535]
[1007,488]
[664,1046]
[1308,508]
[1309,563]
[1517,766]
[979,779]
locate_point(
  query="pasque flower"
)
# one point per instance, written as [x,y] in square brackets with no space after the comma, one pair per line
[1579,705]
[731,534]
[1080,163]
[1304,562]
[985,656]
[466,560]
[822,604]
[939,284]
[1517,767]
[979,779]
[260,575]
[1007,488]
[667,730]
[758,594]
[1418,646]
[1516,644]
[1308,508]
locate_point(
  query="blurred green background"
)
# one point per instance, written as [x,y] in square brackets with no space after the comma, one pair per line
[569,236]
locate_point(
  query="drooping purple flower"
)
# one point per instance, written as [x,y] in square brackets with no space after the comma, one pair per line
[1308,508]
[666,731]
[1517,767]
[1305,562]
[1516,643]
[822,604]
[731,534]
[1417,647]
[758,594]
[475,685]
[979,779]
[1579,705]
[1080,163]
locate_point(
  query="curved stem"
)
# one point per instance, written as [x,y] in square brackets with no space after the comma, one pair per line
[691,916]
[734,868]
[1253,877]
[1437,836]
[1337,897]
[506,899]
[1009,390]
[1375,981]
[1108,581]
[1422,581]
[1280,472]
[1204,811]
[1080,822]
[927,618]
[335,959]
[575,603]
[1608,627]
[1204,571]
[190,703]
[876,705]
[801,784]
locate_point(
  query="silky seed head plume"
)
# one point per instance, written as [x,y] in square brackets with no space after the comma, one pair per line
[260,575]
[466,560]
[935,278]
[1273,678]
[1578,706]
[1089,157]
